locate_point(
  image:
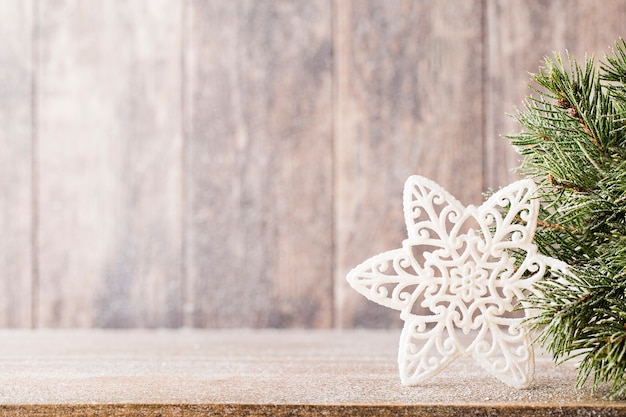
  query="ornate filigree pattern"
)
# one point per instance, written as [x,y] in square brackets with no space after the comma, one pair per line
[456,273]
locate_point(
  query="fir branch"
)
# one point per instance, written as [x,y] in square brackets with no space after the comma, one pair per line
[574,143]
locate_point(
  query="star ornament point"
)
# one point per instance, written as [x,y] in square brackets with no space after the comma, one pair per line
[459,281]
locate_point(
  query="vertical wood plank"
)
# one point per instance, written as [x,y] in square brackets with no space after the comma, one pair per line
[15,163]
[110,144]
[259,213]
[409,101]
[520,35]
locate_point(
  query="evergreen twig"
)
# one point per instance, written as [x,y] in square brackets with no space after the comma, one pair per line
[574,144]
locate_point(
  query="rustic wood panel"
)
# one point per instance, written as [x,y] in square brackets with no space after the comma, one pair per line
[224,164]
[409,101]
[259,200]
[260,373]
[521,34]
[109,131]
[15,163]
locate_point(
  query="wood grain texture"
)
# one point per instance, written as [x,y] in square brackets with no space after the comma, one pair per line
[521,34]
[15,163]
[262,372]
[409,101]
[272,410]
[299,410]
[109,155]
[225,163]
[259,218]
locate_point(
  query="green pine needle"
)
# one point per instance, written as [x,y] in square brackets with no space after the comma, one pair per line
[573,144]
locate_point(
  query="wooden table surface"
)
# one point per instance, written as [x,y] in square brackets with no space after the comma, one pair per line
[265,372]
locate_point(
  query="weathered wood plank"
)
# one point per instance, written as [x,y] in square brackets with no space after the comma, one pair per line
[259,211]
[264,372]
[409,101]
[520,34]
[408,98]
[15,163]
[110,141]
[303,410]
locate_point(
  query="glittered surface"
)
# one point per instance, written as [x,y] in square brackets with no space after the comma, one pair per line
[266,372]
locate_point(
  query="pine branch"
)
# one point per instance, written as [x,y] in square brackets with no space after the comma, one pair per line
[574,144]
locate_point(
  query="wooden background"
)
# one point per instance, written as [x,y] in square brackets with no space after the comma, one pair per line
[224,163]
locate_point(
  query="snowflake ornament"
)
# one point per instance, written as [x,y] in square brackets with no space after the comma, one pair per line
[461,270]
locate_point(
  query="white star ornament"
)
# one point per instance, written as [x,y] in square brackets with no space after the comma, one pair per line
[461,270]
